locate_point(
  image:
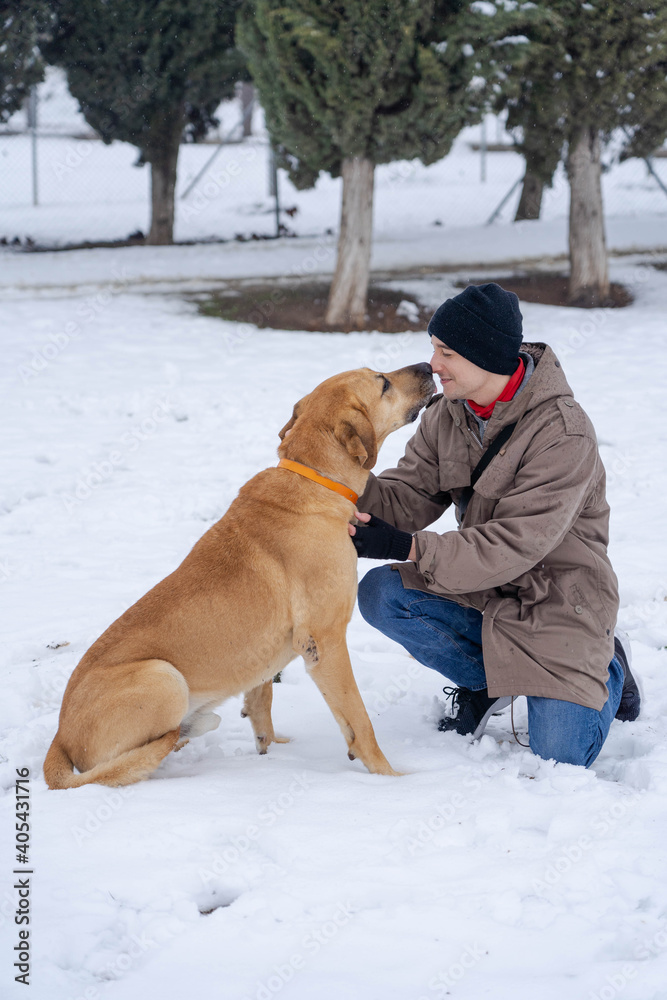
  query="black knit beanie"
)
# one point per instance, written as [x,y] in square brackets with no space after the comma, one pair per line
[482,324]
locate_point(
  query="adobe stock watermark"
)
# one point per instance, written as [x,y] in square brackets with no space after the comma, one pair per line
[72,157]
[240,844]
[216,183]
[94,476]
[616,982]
[398,173]
[136,947]
[449,810]
[603,823]
[441,984]
[578,336]
[236,334]
[87,312]
[619,467]
[396,689]
[647,611]
[311,943]
[53,687]
[385,357]
[112,800]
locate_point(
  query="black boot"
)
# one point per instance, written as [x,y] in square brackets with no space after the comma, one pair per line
[471,710]
[631,700]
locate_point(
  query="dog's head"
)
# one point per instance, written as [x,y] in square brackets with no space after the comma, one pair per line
[357,410]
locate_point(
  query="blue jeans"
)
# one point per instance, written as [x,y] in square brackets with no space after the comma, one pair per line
[448,638]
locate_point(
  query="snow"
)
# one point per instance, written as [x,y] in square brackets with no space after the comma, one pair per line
[130,422]
[483,870]
[408,309]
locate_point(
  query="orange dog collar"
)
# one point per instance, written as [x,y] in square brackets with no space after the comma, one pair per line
[308,473]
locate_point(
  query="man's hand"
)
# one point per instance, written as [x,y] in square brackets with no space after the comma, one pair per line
[376,539]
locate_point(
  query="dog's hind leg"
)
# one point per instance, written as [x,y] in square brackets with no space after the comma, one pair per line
[328,663]
[199,722]
[117,724]
[257,708]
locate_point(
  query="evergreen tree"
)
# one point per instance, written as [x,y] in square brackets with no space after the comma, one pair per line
[21,23]
[590,69]
[540,140]
[349,85]
[148,72]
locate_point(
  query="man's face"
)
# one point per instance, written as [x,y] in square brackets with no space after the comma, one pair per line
[460,378]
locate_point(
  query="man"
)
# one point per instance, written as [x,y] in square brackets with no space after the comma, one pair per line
[522,599]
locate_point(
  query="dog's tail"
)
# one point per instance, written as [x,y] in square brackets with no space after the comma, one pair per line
[133,765]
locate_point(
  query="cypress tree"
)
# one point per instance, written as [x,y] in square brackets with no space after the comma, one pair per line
[148,72]
[590,69]
[541,143]
[349,85]
[21,22]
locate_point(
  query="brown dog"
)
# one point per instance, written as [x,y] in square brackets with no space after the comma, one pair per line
[275,578]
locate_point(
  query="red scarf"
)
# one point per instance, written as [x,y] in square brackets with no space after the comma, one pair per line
[508,393]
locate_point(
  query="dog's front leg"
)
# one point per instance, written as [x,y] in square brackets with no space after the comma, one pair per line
[328,663]
[257,707]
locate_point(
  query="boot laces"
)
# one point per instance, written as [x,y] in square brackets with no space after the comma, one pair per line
[458,696]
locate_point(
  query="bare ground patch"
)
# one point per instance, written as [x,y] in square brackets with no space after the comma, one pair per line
[302,306]
[550,289]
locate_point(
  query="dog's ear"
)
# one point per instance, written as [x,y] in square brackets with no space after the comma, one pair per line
[292,420]
[357,433]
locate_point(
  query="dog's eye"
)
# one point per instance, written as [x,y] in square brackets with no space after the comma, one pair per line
[386,384]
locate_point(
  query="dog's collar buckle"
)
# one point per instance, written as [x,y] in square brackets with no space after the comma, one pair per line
[308,473]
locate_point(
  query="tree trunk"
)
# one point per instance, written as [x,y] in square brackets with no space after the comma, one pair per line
[163,158]
[589,275]
[349,288]
[530,202]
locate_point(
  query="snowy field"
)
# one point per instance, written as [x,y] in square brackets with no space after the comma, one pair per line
[129,424]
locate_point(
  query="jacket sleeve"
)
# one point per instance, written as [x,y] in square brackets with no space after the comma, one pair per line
[549,492]
[409,496]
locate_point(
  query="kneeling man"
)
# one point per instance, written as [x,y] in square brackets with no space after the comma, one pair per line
[522,599]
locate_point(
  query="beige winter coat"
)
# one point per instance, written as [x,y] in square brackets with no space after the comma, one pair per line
[531,551]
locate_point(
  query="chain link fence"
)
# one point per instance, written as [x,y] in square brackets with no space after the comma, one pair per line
[61,185]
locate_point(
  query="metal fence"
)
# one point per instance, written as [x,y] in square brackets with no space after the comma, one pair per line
[59,184]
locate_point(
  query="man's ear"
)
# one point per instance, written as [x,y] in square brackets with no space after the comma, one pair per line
[357,433]
[290,423]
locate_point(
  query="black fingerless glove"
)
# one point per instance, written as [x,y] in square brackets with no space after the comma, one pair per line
[378,540]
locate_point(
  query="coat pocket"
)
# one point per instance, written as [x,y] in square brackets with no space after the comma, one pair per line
[581,606]
[497,480]
[453,475]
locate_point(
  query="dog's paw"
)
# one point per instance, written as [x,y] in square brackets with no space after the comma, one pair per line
[264,742]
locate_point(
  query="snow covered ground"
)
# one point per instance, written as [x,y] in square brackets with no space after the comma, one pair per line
[129,423]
